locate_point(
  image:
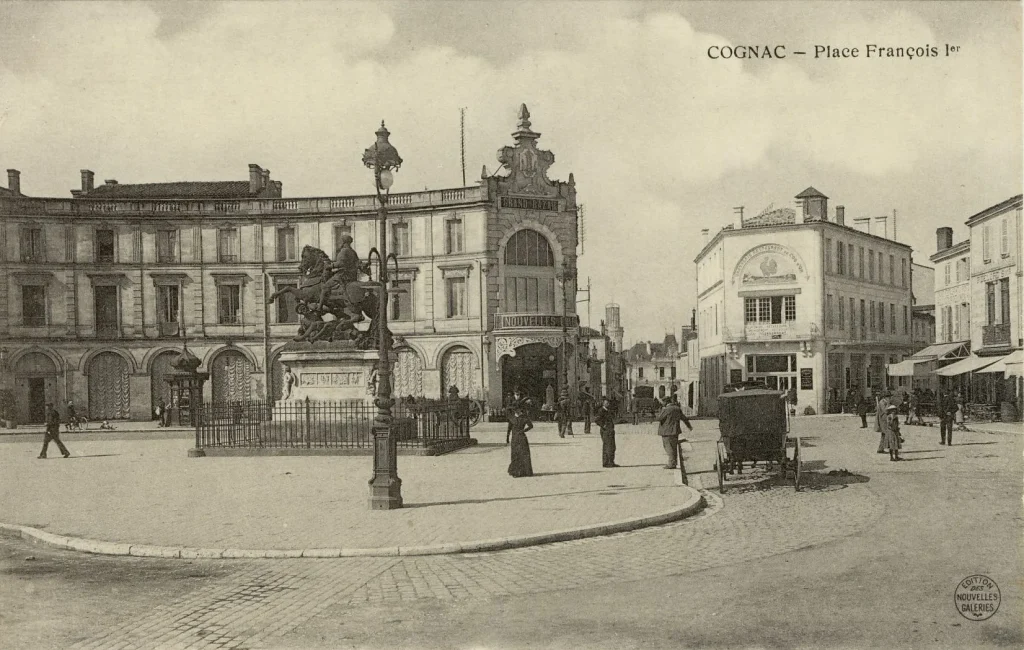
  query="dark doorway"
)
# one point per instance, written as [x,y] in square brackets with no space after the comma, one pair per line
[36,400]
[534,367]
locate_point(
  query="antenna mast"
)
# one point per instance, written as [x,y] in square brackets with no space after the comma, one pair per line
[581,226]
[462,142]
[586,300]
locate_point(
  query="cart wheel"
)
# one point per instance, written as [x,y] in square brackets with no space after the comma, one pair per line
[797,463]
[720,466]
[682,464]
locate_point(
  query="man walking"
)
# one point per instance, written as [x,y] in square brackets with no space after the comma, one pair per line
[606,421]
[862,410]
[881,407]
[563,414]
[668,428]
[947,411]
[53,432]
[586,406]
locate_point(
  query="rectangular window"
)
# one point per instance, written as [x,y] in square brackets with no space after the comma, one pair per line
[842,313]
[105,246]
[750,310]
[906,319]
[860,262]
[32,245]
[840,258]
[106,310]
[33,305]
[871,320]
[286,303]
[828,254]
[986,253]
[1004,238]
[1004,301]
[853,318]
[167,246]
[789,307]
[640,372]
[892,318]
[892,270]
[673,369]
[167,304]
[456,290]
[849,261]
[990,302]
[863,316]
[286,244]
[453,236]
[946,273]
[903,273]
[229,304]
[227,245]
[959,272]
[871,265]
[956,322]
[340,230]
[881,318]
[400,239]
[400,301]
[661,373]
[828,312]
[764,310]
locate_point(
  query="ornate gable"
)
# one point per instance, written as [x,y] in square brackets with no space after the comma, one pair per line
[527,165]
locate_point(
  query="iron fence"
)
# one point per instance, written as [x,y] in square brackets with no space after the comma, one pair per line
[327,424]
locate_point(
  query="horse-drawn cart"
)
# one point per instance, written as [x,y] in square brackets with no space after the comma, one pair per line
[754,426]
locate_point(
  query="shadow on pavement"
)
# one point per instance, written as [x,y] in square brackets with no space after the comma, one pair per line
[910,460]
[965,444]
[74,455]
[603,490]
[809,480]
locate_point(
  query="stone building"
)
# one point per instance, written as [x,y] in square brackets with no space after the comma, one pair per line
[801,301]
[654,365]
[99,289]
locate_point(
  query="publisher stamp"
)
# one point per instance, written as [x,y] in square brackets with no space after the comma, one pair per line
[977,598]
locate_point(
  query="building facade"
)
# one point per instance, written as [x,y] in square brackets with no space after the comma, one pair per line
[952,288]
[99,290]
[802,302]
[654,365]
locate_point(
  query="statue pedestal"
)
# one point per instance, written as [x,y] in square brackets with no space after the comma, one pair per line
[335,372]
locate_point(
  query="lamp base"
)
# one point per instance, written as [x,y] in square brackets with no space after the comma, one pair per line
[385,493]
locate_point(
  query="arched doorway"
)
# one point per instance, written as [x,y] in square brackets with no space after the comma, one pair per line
[458,368]
[408,377]
[35,385]
[158,386]
[109,387]
[231,373]
[533,369]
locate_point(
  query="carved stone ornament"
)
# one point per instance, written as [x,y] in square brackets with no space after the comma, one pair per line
[506,345]
[527,165]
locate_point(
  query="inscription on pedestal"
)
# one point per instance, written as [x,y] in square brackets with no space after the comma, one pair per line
[330,379]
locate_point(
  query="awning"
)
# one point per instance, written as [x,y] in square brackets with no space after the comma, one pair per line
[1009,365]
[969,364]
[909,368]
[943,351]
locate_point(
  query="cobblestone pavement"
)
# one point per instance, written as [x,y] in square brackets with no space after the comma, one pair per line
[266,600]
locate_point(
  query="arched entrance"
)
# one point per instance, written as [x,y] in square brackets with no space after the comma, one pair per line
[458,368]
[158,386]
[231,373]
[109,387]
[408,377]
[532,369]
[35,385]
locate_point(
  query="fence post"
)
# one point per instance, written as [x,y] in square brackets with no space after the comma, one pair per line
[306,428]
[197,452]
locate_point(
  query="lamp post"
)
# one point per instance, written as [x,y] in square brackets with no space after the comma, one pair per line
[385,486]
[568,275]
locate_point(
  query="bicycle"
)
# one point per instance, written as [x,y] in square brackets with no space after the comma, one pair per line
[77,423]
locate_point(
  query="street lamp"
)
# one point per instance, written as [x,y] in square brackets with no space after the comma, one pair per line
[385,486]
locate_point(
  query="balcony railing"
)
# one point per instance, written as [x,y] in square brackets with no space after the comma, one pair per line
[537,321]
[326,205]
[995,334]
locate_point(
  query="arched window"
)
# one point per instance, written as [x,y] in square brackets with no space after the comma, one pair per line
[529,274]
[528,248]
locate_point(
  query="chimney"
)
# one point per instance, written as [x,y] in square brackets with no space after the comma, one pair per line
[841,215]
[14,181]
[110,181]
[255,179]
[704,235]
[944,239]
[266,180]
[87,180]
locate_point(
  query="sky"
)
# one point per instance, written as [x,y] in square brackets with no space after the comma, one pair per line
[662,140]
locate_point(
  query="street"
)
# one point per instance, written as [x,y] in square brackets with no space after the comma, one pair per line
[864,558]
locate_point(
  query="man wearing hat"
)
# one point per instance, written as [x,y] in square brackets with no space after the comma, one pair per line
[345,268]
[880,409]
[891,432]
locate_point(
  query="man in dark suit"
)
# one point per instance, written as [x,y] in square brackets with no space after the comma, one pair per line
[586,406]
[53,432]
[669,417]
[606,421]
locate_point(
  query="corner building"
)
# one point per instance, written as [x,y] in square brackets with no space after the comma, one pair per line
[97,290]
[801,301]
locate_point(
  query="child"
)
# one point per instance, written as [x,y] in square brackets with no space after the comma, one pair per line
[107,425]
[959,417]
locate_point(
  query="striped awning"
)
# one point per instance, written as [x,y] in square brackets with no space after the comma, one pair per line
[1009,365]
[909,368]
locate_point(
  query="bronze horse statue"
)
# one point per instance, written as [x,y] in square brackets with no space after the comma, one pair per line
[316,296]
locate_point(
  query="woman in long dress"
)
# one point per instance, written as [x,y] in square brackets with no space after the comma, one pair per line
[521,464]
[891,430]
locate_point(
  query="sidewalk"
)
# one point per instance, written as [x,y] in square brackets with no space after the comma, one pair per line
[120,426]
[146,497]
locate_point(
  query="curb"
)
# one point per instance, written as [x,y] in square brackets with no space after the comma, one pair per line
[695,502]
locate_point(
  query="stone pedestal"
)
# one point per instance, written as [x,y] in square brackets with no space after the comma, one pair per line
[327,373]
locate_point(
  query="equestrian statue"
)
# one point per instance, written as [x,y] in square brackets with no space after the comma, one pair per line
[331,299]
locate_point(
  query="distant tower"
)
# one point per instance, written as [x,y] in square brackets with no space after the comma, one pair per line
[611,317]
[815,205]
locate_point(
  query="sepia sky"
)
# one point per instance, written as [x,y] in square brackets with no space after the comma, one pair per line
[662,140]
